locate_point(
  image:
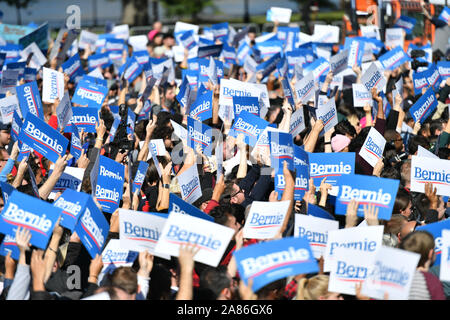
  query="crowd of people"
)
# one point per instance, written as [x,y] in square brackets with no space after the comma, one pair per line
[246,177]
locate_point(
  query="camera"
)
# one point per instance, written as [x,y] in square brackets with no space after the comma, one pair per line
[121,138]
[415,64]
[398,158]
[417,53]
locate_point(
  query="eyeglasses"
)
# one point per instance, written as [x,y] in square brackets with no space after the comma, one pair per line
[234,195]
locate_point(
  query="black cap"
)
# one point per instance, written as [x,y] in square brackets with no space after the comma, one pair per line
[4,126]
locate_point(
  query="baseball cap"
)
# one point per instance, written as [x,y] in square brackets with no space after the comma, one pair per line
[5,126]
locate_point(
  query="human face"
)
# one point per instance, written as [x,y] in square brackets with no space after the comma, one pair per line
[407,211]
[232,223]
[332,296]
[441,208]
[398,143]
[238,195]
[5,137]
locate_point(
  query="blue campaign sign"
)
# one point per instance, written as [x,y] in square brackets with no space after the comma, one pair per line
[250,125]
[140,176]
[433,77]
[444,69]
[39,136]
[83,118]
[72,204]
[294,256]
[269,65]
[191,77]
[436,230]
[113,44]
[330,165]
[187,39]
[355,51]
[142,57]
[249,104]
[220,31]
[201,109]
[281,149]
[39,36]
[424,106]
[96,81]
[380,192]
[318,212]
[9,245]
[394,58]
[28,212]
[319,67]
[110,184]
[288,92]
[445,15]
[177,205]
[92,229]
[406,23]
[90,94]
[301,165]
[75,142]
[131,69]
[16,125]
[30,74]
[7,189]
[210,51]
[199,134]
[30,99]
[184,92]
[100,60]
[420,81]
[202,75]
[73,68]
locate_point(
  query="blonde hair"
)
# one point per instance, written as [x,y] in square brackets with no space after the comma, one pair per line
[313,288]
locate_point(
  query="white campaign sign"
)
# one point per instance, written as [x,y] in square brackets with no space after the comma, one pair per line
[140,231]
[139,43]
[436,171]
[395,37]
[7,107]
[180,131]
[88,39]
[38,59]
[305,88]
[158,146]
[265,219]
[297,124]
[373,77]
[444,274]
[371,32]
[392,273]
[282,15]
[360,95]
[52,86]
[359,239]
[180,229]
[121,32]
[315,230]
[326,33]
[339,61]
[190,184]
[328,114]
[373,147]
[71,178]
[422,152]
[113,256]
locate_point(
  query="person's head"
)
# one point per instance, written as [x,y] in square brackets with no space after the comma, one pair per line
[203,201]
[168,94]
[3,157]
[272,291]
[125,278]
[405,173]
[393,228]
[421,242]
[5,134]
[339,143]
[224,215]
[395,140]
[436,127]
[415,142]
[157,25]
[408,84]
[160,282]
[354,120]
[403,203]
[218,281]
[168,40]
[346,128]
[164,133]
[316,288]
[237,194]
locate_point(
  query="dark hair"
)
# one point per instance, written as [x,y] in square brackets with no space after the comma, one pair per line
[278,286]
[444,153]
[221,214]
[356,143]
[436,124]
[160,281]
[215,279]
[390,173]
[125,278]
[415,142]
[402,201]
[344,127]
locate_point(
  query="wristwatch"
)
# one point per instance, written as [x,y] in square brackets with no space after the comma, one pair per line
[166,186]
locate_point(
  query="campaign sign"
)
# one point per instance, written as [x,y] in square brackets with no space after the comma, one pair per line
[436,230]
[73,68]
[72,204]
[305,88]
[366,190]
[315,230]
[424,106]
[9,245]
[7,189]
[318,212]
[187,39]
[92,229]
[71,178]
[100,60]
[330,165]
[406,23]
[210,51]
[257,262]
[287,90]
[373,147]
[84,118]
[114,256]
[282,15]
[89,94]
[180,229]
[52,86]
[358,239]
[265,219]
[394,37]
[140,231]
[30,99]
[75,143]
[190,184]
[157,146]
[319,68]
[392,273]
[420,81]
[444,69]
[361,96]
[281,149]
[250,125]
[201,109]
[394,58]
[249,104]
[140,176]
[8,106]
[373,77]
[297,123]
[64,111]
[433,77]
[444,273]
[39,136]
[436,171]
[220,31]
[87,39]
[110,183]
[355,51]
[131,69]
[328,114]
[39,217]
[339,61]
[445,15]
[177,205]
[199,134]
